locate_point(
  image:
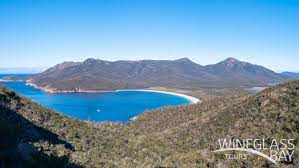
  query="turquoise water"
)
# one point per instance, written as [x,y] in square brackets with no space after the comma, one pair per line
[114,106]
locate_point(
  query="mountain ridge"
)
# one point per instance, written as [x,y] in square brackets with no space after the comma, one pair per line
[96,74]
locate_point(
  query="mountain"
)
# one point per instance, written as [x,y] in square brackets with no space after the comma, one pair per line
[240,72]
[94,74]
[183,136]
[291,74]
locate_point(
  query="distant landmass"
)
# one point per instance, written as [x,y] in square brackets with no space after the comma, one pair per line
[20,70]
[291,74]
[100,75]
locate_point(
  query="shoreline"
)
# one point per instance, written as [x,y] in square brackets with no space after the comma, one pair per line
[10,80]
[52,90]
[193,100]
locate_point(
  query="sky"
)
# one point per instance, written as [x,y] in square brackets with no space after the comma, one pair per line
[42,33]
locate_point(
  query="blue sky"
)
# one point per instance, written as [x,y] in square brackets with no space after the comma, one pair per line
[41,33]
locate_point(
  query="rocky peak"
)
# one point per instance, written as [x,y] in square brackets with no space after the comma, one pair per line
[230,62]
[185,61]
[90,60]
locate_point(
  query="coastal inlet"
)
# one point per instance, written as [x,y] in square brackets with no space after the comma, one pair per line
[118,106]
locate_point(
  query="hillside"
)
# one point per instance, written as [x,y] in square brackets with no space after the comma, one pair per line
[182,136]
[93,74]
[21,126]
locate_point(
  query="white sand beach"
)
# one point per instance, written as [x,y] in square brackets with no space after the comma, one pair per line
[193,100]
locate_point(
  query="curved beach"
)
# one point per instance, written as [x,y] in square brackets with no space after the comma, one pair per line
[192,99]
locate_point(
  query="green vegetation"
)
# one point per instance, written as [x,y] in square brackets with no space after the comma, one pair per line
[183,136]
[18,134]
